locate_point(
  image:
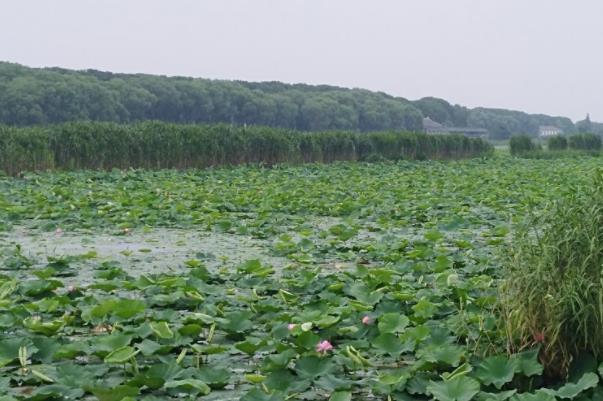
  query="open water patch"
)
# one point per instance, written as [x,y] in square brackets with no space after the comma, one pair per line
[137,252]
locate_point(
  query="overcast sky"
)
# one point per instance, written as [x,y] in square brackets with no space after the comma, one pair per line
[540,56]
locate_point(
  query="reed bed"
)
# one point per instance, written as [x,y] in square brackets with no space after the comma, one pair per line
[158,145]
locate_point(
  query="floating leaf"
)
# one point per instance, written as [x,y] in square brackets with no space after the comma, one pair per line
[424,309]
[255,379]
[539,395]
[571,390]
[122,308]
[190,385]
[446,353]
[36,325]
[114,394]
[502,396]
[458,389]
[389,343]
[527,363]
[365,294]
[311,366]
[306,326]
[392,323]
[259,395]
[162,330]
[496,370]
[121,355]
[237,322]
[341,396]
[249,346]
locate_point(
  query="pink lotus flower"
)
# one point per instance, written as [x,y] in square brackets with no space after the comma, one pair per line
[58,232]
[324,346]
[291,326]
[367,320]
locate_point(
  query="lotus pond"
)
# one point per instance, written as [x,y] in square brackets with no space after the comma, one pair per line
[334,282]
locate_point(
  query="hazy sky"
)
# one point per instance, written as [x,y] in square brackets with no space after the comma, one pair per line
[540,56]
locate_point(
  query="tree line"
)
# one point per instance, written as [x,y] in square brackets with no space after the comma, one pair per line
[523,145]
[33,96]
[157,145]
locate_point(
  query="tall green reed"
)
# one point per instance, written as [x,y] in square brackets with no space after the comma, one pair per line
[552,294]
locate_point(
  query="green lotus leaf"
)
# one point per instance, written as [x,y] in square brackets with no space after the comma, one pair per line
[36,325]
[250,345]
[121,308]
[284,380]
[528,364]
[327,321]
[539,395]
[278,361]
[56,391]
[392,323]
[496,370]
[433,235]
[502,396]
[237,322]
[461,388]
[255,379]
[307,340]
[394,378]
[190,330]
[329,382]
[162,330]
[37,288]
[9,349]
[571,390]
[255,268]
[424,309]
[364,294]
[148,347]
[194,386]
[448,353]
[341,396]
[389,343]
[259,395]
[108,343]
[117,393]
[121,355]
[311,367]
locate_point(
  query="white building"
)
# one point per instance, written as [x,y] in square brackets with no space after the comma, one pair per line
[545,131]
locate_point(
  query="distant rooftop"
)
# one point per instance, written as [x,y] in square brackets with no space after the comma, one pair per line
[428,123]
[549,128]
[433,127]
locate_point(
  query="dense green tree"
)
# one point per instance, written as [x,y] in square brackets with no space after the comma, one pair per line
[585,126]
[502,124]
[30,96]
[597,128]
[521,144]
[585,141]
[557,142]
[438,110]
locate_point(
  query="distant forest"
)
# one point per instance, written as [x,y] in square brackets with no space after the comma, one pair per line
[34,96]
